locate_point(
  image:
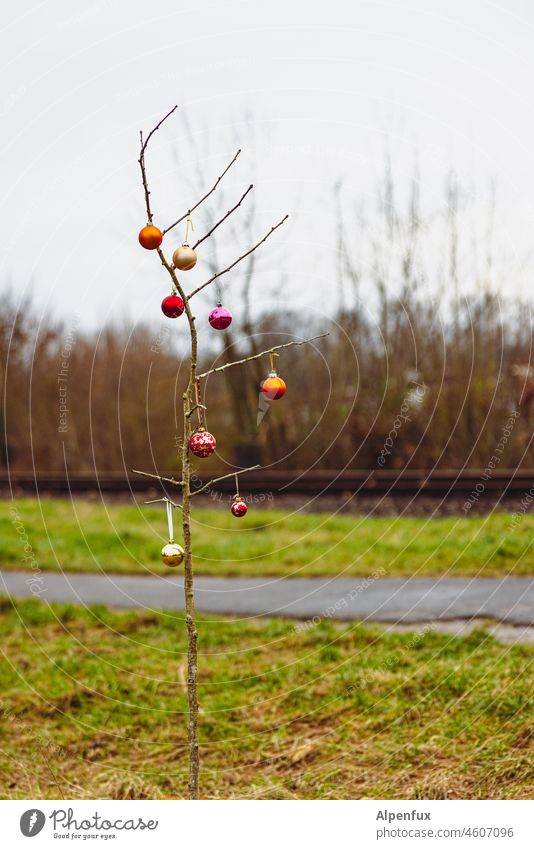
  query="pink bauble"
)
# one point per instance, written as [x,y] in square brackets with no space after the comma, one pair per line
[220,318]
[238,508]
[172,306]
[202,443]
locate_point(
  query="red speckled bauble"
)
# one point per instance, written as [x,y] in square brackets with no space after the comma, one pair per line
[150,237]
[273,387]
[220,318]
[202,443]
[238,507]
[172,306]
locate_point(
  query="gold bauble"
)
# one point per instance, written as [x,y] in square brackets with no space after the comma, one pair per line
[184,258]
[172,554]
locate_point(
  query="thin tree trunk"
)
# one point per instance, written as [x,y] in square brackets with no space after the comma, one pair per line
[192,633]
[189,407]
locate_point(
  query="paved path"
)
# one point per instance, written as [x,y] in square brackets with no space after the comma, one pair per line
[397,600]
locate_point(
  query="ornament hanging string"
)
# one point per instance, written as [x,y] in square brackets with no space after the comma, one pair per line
[236,486]
[272,355]
[169,521]
[218,292]
[200,407]
[188,224]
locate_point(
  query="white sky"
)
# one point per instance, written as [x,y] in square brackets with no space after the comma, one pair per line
[325,84]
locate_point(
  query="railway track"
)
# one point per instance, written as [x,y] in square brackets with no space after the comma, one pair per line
[364,483]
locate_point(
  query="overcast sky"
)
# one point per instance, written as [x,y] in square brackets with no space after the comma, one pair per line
[325,85]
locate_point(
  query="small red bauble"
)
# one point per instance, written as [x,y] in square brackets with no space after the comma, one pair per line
[150,237]
[202,443]
[273,387]
[238,507]
[172,306]
[220,318]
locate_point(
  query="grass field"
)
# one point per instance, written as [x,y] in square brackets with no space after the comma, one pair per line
[92,704]
[91,536]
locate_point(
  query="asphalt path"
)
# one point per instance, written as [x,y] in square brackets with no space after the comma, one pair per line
[396,600]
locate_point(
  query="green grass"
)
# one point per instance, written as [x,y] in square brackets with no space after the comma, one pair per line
[86,536]
[92,706]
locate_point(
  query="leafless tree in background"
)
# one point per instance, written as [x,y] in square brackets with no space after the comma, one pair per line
[419,301]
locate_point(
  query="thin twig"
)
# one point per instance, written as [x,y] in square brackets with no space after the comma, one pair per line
[158,477]
[261,354]
[223,477]
[194,408]
[142,162]
[199,241]
[226,270]
[166,500]
[206,196]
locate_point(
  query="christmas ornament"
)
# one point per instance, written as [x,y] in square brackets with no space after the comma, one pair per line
[238,507]
[172,554]
[220,318]
[202,443]
[150,237]
[273,387]
[184,258]
[172,306]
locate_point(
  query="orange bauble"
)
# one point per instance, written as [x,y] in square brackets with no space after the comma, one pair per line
[150,237]
[273,387]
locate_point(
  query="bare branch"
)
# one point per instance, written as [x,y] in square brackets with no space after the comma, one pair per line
[141,161]
[176,286]
[261,354]
[226,270]
[195,407]
[166,500]
[223,477]
[197,243]
[206,196]
[158,477]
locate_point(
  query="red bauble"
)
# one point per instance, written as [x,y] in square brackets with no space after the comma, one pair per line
[150,237]
[172,306]
[273,387]
[238,507]
[220,318]
[202,443]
